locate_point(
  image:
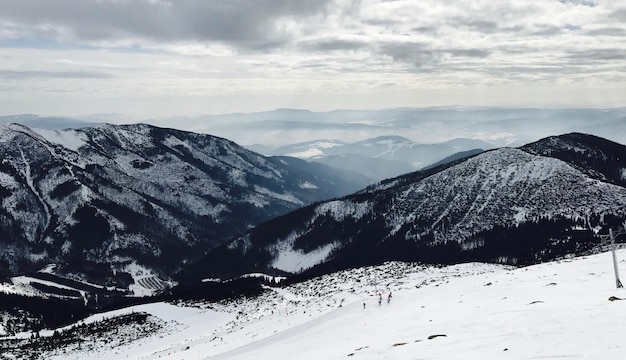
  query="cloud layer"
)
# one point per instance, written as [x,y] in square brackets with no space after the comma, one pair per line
[304,50]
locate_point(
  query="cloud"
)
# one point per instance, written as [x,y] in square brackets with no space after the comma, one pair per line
[253,24]
[12,75]
[589,3]
[319,49]
[422,54]
[416,54]
[597,55]
[618,14]
[479,25]
[329,44]
[607,31]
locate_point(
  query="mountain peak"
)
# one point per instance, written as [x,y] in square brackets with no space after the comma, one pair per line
[596,156]
[387,139]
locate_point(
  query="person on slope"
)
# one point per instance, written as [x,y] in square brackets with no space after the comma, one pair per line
[389,298]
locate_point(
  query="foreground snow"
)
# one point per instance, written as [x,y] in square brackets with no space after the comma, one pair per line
[555,310]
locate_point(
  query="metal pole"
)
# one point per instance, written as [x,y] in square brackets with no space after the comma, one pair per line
[376,284]
[618,283]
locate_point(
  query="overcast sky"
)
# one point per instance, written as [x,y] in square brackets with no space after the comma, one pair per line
[155,58]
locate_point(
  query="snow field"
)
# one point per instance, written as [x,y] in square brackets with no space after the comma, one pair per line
[554,310]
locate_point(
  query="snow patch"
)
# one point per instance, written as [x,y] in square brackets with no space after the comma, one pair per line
[521,214]
[295,261]
[146,282]
[340,210]
[270,278]
[308,185]
[285,197]
[238,177]
[48,269]
[624,174]
[18,288]
[7,181]
[69,139]
[26,281]
[307,154]
[326,144]
[173,142]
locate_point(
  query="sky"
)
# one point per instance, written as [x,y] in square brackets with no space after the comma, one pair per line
[158,58]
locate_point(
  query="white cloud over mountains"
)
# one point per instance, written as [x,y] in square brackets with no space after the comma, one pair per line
[212,56]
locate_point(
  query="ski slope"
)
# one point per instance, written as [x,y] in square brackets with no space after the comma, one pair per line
[558,310]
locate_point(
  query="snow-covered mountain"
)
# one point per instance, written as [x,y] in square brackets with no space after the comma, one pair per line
[510,205]
[117,203]
[378,158]
[563,309]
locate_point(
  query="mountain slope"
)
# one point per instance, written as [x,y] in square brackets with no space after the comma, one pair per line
[111,201]
[478,310]
[505,205]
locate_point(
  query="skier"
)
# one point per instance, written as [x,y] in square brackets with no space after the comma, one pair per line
[363,305]
[389,298]
[380,299]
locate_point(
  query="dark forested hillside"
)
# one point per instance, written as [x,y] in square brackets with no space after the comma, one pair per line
[515,206]
[114,203]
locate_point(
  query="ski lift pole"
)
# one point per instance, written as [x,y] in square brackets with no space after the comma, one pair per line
[376,284]
[618,283]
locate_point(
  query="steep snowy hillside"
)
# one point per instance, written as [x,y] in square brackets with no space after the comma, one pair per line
[115,204]
[564,309]
[505,205]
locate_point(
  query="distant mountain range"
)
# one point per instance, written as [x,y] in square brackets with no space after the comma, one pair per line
[47,122]
[113,204]
[497,126]
[425,132]
[509,205]
[377,158]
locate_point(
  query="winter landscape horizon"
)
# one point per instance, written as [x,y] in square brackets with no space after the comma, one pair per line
[529,278]
[312,179]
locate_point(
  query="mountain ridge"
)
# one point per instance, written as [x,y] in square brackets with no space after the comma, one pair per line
[505,205]
[380,157]
[85,198]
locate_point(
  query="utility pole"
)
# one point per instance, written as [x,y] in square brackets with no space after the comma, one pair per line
[612,236]
[618,283]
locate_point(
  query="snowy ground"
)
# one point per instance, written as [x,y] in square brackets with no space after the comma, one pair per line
[555,310]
